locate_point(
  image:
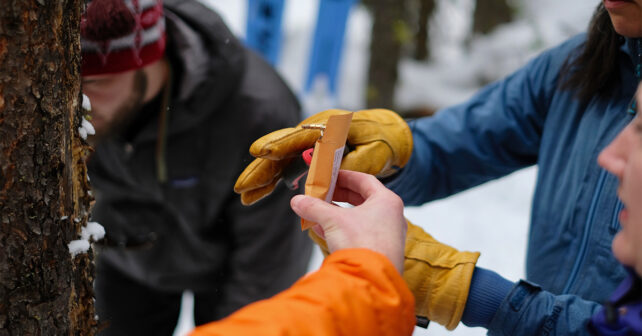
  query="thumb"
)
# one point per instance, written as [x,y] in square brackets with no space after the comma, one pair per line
[313,209]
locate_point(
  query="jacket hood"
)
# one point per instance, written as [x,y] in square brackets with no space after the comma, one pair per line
[208,63]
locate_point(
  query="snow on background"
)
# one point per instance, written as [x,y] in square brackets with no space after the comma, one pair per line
[492,218]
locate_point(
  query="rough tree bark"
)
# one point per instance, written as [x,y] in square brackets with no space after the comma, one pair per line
[389,34]
[43,185]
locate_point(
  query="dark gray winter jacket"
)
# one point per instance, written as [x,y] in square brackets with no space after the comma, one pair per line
[197,234]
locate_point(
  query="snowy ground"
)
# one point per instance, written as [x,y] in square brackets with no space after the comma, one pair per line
[492,218]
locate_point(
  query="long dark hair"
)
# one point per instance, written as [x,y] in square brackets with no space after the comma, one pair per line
[593,70]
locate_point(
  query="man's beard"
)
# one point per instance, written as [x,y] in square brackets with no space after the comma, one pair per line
[127,111]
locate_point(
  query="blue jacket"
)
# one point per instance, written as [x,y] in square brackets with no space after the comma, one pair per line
[521,121]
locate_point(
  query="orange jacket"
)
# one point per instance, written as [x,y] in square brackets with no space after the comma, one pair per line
[355,292]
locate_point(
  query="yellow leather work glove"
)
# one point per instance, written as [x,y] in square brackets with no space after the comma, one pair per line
[380,141]
[438,275]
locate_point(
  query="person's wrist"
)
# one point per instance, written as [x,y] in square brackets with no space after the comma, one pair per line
[487,291]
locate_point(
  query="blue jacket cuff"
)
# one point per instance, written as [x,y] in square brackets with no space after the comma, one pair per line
[487,291]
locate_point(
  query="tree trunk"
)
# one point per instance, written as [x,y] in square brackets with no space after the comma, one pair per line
[389,30]
[43,185]
[490,14]
[422,36]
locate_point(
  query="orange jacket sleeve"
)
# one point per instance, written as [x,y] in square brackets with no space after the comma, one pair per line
[355,292]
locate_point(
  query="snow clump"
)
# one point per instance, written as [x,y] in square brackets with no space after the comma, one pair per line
[92,232]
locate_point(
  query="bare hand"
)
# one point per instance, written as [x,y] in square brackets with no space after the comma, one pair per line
[376,222]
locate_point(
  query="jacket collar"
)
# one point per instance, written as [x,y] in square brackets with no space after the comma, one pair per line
[633,47]
[209,61]
[620,315]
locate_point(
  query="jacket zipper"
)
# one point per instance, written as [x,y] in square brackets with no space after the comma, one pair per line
[598,190]
[587,230]
[615,221]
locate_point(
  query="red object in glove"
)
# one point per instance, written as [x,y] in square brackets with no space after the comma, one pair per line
[307,156]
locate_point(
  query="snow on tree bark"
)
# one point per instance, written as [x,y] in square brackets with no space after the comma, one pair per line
[43,184]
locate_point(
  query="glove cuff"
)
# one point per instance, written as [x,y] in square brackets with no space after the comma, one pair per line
[461,286]
[447,292]
[439,276]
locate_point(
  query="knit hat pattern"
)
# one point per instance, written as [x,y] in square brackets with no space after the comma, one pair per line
[121,35]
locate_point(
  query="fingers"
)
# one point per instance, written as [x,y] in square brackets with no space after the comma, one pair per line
[347,196]
[318,231]
[376,222]
[317,235]
[371,158]
[363,184]
[252,196]
[259,173]
[352,187]
[313,209]
[284,143]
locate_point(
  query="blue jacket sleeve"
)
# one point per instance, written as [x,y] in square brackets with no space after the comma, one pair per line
[493,134]
[506,308]
[529,310]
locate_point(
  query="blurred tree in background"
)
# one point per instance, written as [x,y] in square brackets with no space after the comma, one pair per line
[422,37]
[399,23]
[389,35]
[491,13]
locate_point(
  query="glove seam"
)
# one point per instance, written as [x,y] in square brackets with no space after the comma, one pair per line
[296,131]
[463,296]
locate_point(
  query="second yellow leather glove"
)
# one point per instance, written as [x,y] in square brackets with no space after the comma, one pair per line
[380,143]
[438,275]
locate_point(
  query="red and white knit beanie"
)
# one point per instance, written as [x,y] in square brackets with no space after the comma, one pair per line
[121,35]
